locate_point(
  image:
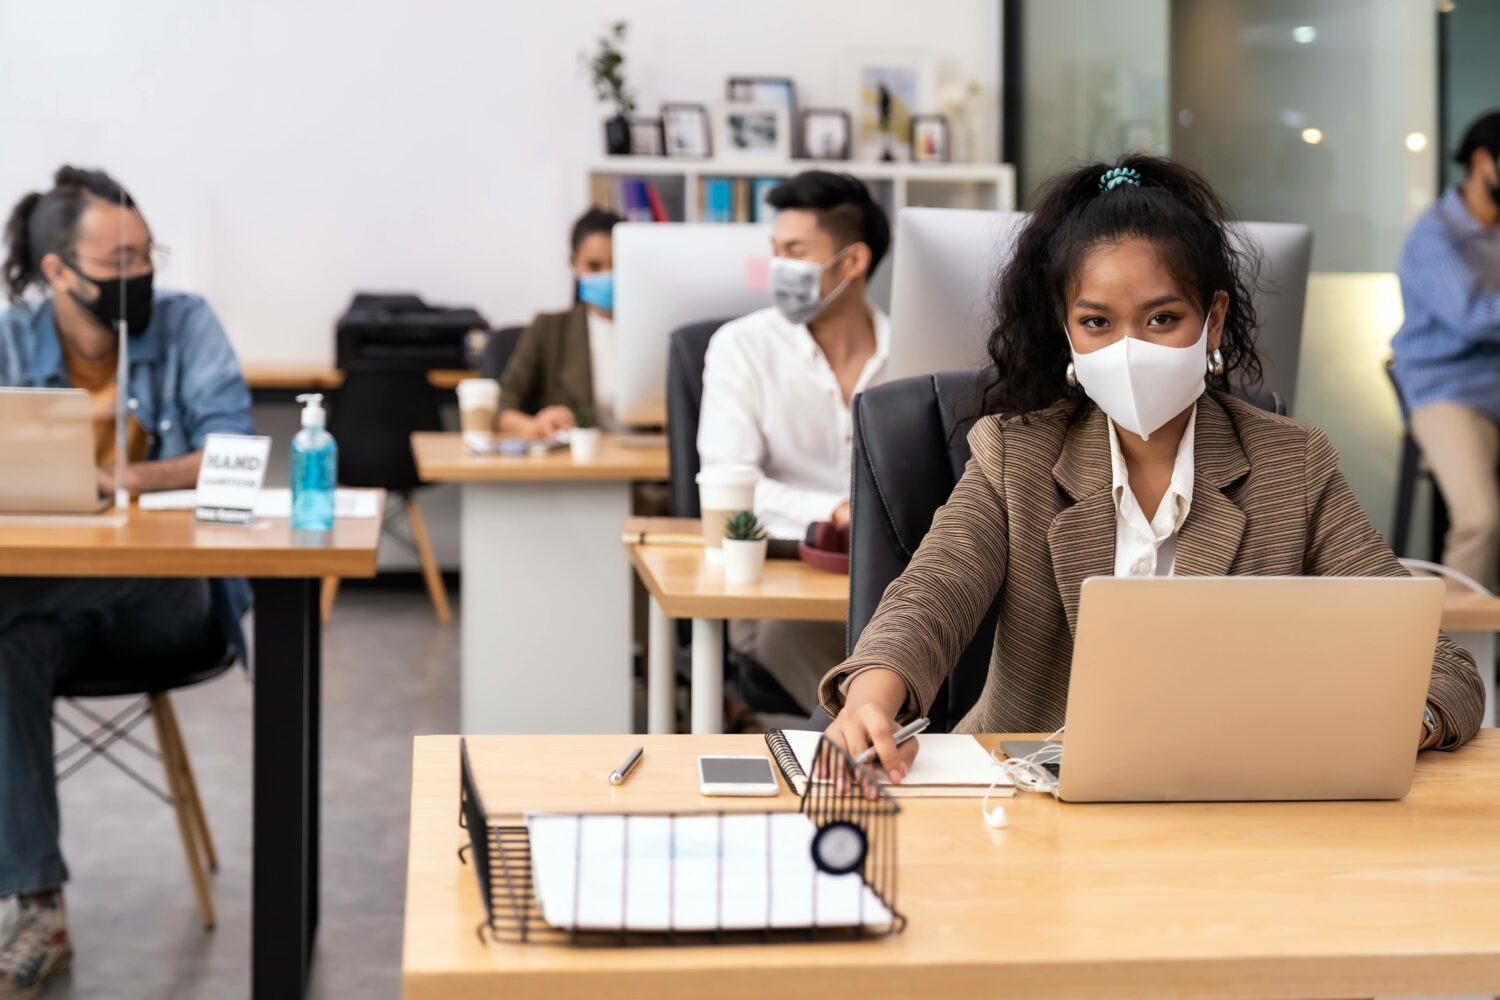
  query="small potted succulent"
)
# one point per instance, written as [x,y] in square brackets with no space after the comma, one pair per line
[745,545]
[606,68]
[583,439]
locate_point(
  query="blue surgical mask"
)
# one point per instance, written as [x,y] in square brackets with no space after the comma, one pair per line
[598,289]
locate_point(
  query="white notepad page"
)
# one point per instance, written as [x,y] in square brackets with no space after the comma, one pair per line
[739,872]
[945,759]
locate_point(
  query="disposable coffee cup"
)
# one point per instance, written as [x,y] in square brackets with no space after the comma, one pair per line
[478,408]
[723,491]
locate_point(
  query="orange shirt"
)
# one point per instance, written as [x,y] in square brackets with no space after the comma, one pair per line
[98,379]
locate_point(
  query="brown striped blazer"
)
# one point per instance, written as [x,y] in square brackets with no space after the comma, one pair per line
[1033,516]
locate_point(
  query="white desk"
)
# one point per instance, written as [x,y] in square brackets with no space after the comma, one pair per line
[546,590]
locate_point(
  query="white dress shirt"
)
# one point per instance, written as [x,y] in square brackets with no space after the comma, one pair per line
[771,400]
[1149,548]
[601,363]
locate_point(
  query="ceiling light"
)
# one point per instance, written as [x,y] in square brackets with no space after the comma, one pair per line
[1312,136]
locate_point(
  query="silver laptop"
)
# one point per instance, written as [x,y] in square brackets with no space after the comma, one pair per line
[1189,689]
[47,453]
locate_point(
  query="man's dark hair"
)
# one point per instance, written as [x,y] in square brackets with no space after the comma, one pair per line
[595,220]
[48,223]
[1482,133]
[843,206]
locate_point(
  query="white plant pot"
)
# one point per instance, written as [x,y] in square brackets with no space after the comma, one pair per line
[744,562]
[584,443]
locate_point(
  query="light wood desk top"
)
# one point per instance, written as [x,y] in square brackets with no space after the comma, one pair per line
[442,458]
[1201,900]
[289,375]
[685,586]
[171,543]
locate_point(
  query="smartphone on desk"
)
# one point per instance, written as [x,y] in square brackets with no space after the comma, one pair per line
[746,775]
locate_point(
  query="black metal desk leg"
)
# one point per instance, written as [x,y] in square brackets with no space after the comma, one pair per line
[313,630]
[284,873]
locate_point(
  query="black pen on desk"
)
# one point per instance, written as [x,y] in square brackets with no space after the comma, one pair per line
[619,774]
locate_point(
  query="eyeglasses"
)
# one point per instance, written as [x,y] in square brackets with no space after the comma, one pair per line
[129,261]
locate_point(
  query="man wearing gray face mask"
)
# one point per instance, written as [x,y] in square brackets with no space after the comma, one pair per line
[777,385]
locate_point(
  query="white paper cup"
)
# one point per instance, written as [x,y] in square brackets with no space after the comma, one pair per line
[723,490]
[478,409]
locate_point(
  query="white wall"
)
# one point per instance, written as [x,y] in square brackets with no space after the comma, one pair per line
[291,152]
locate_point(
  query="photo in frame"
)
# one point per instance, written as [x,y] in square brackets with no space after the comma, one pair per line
[686,130]
[765,90]
[753,132]
[888,86]
[646,137]
[929,139]
[827,134]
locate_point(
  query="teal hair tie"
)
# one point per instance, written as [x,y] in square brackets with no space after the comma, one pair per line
[1113,178]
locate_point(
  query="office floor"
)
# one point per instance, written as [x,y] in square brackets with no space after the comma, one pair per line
[390,672]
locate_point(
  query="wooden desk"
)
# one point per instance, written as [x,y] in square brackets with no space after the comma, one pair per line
[683,585]
[286,569]
[546,629]
[1201,900]
[288,377]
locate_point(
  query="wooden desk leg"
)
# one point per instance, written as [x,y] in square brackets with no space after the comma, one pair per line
[708,676]
[284,869]
[661,687]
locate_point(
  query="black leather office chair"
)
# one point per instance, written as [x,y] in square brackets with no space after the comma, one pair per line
[1412,472]
[149,684]
[498,349]
[685,353]
[380,405]
[910,448]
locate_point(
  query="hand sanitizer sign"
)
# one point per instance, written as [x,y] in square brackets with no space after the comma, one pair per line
[234,467]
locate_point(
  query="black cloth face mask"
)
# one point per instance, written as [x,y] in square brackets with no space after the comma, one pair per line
[128,299]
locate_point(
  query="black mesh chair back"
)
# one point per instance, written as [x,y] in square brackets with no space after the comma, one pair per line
[685,353]
[497,351]
[910,448]
[377,409]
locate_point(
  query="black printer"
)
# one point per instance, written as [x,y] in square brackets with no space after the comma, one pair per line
[401,327]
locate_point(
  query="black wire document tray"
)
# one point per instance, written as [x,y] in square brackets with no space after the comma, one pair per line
[824,872]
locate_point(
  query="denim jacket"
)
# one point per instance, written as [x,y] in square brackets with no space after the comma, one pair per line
[184,385]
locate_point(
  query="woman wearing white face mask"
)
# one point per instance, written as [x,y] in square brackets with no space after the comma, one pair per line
[1112,447]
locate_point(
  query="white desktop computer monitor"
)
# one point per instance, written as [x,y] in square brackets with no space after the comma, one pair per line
[670,274]
[948,260]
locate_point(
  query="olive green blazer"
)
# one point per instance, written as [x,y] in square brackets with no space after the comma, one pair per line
[1034,516]
[551,364]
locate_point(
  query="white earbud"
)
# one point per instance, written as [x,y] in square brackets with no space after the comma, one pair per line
[996,819]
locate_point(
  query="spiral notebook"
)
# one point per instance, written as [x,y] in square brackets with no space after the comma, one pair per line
[949,766]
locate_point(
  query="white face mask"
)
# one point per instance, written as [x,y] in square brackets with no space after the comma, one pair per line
[1141,385]
[795,287]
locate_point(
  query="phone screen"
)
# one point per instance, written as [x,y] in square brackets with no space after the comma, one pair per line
[736,771]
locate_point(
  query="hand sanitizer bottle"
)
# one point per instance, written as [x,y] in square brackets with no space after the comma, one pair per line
[315,461]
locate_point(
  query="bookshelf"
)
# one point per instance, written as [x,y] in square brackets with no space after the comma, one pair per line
[686,190]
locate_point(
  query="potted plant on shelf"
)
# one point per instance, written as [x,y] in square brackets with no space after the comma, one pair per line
[607,72]
[583,439]
[745,546]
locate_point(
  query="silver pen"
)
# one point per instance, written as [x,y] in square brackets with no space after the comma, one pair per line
[619,774]
[903,734]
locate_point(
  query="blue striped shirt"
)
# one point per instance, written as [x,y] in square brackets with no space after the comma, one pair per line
[1448,347]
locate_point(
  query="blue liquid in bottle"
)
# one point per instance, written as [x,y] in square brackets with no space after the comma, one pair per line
[315,459]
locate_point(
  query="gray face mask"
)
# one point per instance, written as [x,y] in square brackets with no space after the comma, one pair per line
[795,285]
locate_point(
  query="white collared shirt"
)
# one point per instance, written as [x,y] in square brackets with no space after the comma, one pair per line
[601,363]
[771,400]
[1149,548]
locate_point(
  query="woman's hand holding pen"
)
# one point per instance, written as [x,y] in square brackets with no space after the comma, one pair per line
[868,719]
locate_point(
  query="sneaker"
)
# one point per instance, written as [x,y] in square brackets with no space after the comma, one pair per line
[38,947]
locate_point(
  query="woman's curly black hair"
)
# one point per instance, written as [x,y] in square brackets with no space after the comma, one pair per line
[1174,209]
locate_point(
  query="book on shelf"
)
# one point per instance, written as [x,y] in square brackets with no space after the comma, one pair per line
[718,200]
[760,211]
[741,199]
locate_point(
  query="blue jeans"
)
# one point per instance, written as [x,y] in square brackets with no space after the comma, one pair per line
[49,629]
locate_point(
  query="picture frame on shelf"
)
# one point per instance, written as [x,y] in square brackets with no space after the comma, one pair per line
[889,85]
[686,131]
[827,134]
[765,90]
[929,139]
[753,132]
[646,138]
